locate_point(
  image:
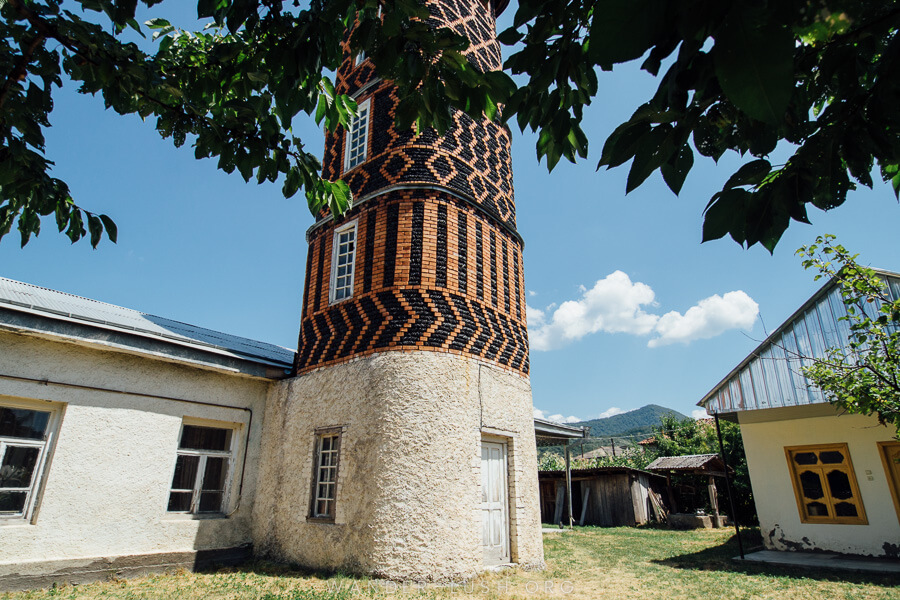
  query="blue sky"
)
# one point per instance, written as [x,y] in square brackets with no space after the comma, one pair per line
[203,247]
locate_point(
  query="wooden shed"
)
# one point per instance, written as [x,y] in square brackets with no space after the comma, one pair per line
[604,496]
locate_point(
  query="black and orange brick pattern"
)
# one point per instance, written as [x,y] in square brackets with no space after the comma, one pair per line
[438,262]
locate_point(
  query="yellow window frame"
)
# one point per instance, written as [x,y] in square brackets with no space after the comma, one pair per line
[822,469]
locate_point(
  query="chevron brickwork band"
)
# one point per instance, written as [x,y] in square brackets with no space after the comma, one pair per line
[437,262]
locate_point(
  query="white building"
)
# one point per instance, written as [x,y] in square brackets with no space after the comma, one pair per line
[822,479]
[128,442]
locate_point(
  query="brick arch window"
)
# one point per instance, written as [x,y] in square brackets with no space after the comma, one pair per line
[825,484]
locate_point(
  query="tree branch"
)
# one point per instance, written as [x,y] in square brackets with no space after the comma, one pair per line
[21,69]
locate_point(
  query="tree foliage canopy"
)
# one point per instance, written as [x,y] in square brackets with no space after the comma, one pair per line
[863,378]
[821,76]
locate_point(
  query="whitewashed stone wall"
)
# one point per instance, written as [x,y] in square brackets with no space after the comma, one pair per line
[773,491]
[107,483]
[408,494]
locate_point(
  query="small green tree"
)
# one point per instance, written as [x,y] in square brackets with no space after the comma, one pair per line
[865,377]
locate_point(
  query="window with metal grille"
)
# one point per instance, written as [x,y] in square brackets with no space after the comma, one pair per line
[24,435]
[324,492]
[343,257]
[825,484]
[357,138]
[202,470]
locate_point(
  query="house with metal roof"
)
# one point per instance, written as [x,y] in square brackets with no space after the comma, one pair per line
[130,385]
[128,442]
[822,479]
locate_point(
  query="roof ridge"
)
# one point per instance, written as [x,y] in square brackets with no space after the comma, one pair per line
[152,318]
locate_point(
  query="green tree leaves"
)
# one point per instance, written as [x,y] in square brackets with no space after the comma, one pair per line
[740,76]
[822,80]
[623,30]
[863,378]
[753,58]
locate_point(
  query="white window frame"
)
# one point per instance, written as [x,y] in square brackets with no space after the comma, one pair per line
[364,115]
[230,455]
[45,446]
[319,467]
[335,248]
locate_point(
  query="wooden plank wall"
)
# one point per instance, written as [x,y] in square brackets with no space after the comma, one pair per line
[610,503]
[615,499]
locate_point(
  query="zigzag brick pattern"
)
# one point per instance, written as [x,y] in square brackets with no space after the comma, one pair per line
[435,239]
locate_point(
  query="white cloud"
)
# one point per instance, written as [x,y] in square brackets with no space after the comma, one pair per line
[710,317]
[617,305]
[610,412]
[557,418]
[699,413]
[613,305]
[532,293]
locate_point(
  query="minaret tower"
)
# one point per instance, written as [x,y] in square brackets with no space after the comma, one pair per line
[405,446]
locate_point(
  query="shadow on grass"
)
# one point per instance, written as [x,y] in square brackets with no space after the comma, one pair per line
[721,558]
[265,568]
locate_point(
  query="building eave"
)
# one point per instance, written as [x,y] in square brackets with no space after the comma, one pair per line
[58,328]
[548,429]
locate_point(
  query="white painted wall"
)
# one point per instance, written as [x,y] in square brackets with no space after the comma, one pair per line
[107,483]
[770,476]
[408,494]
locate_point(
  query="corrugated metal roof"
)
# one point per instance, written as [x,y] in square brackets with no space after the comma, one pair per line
[557,432]
[26,297]
[772,375]
[688,462]
[595,471]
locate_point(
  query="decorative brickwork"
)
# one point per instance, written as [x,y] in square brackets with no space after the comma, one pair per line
[418,284]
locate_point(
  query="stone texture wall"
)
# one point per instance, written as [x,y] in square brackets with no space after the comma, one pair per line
[106,485]
[408,493]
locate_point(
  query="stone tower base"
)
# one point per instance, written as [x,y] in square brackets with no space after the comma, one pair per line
[408,503]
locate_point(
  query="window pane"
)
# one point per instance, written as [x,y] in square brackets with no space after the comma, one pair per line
[205,438]
[839,485]
[845,509]
[216,472]
[805,458]
[185,472]
[210,502]
[18,466]
[179,502]
[12,502]
[22,423]
[831,457]
[326,492]
[811,484]
[323,508]
[816,509]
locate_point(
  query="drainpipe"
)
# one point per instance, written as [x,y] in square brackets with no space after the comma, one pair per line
[728,486]
[569,484]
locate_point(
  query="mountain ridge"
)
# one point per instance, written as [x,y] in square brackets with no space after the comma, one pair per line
[631,424]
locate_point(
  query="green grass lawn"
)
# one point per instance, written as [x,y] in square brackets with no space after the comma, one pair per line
[589,564]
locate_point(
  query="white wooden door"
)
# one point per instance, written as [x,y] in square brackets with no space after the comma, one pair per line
[494,504]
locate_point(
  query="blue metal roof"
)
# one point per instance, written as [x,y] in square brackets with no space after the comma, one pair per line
[772,375]
[24,297]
